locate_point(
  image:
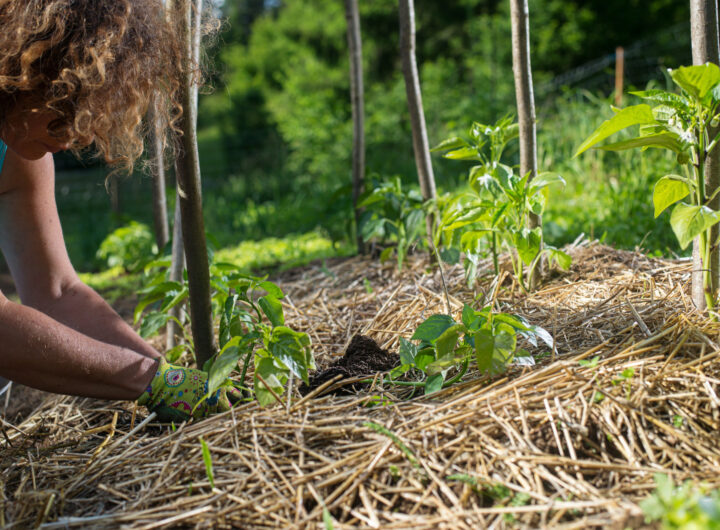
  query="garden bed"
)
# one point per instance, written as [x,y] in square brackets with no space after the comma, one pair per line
[564,443]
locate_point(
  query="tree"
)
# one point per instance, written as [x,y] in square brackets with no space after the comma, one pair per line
[189,192]
[704,35]
[357,96]
[421,146]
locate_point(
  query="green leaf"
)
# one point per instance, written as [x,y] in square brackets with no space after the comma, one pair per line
[527,242]
[386,254]
[468,316]
[471,215]
[464,153]
[408,351]
[434,383]
[494,351]
[224,364]
[424,358]
[208,463]
[546,178]
[272,307]
[563,260]
[173,354]
[152,323]
[665,140]
[451,256]
[432,328]
[451,143]
[688,221]
[287,346]
[272,289]
[697,80]
[265,367]
[446,342]
[327,519]
[669,190]
[669,99]
[635,115]
[471,242]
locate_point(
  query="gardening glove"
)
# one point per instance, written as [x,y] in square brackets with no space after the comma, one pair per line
[175,391]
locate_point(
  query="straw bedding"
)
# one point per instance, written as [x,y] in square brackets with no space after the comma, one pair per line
[535,447]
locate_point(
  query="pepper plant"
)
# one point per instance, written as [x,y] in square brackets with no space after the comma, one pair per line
[493,214]
[251,328]
[684,123]
[393,215]
[441,344]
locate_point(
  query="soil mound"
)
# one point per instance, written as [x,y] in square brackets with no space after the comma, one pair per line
[362,357]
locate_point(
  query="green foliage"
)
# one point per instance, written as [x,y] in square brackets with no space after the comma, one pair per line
[393,215]
[129,247]
[686,506]
[684,124]
[251,327]
[490,339]
[496,208]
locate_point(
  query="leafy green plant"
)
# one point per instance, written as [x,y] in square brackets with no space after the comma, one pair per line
[393,215]
[251,328]
[685,124]
[490,339]
[494,212]
[130,247]
[686,506]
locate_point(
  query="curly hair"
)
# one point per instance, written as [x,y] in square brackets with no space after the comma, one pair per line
[97,64]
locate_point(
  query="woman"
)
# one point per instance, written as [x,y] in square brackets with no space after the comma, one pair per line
[74,73]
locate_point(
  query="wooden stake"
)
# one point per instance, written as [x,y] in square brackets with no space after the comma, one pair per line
[619,74]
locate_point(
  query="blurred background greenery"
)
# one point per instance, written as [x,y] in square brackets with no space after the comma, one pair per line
[276,137]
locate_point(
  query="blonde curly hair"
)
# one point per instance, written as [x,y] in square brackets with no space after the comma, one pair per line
[97,64]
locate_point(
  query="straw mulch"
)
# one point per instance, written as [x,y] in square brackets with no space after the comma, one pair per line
[536,447]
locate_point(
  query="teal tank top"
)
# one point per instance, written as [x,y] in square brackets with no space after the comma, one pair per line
[3,150]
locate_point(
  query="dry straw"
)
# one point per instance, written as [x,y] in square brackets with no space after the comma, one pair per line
[537,446]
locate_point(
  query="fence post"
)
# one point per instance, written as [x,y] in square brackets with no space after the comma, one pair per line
[619,74]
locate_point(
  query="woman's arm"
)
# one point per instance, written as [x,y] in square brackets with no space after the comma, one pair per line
[65,338]
[35,251]
[38,351]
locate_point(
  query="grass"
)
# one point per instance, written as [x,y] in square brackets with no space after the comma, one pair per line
[252,256]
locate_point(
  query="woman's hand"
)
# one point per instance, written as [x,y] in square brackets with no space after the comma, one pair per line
[175,391]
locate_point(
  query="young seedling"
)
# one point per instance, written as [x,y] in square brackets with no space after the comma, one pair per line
[251,328]
[490,339]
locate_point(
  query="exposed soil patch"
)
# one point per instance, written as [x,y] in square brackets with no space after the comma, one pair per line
[362,357]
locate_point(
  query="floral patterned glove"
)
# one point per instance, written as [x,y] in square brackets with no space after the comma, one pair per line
[175,391]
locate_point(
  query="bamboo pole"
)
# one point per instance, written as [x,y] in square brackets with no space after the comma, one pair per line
[704,35]
[159,200]
[357,96]
[522,71]
[190,193]
[421,146]
[619,74]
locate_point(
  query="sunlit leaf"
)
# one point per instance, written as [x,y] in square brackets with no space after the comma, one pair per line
[635,115]
[688,221]
[669,190]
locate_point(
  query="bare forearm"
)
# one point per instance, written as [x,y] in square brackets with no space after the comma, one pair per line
[82,309]
[40,352]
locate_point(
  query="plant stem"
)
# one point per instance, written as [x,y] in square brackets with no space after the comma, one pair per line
[496,266]
[245,366]
[442,275]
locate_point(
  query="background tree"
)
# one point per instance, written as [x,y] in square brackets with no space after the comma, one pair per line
[189,191]
[421,146]
[357,97]
[704,35]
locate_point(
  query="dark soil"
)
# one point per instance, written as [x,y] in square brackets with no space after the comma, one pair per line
[362,357]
